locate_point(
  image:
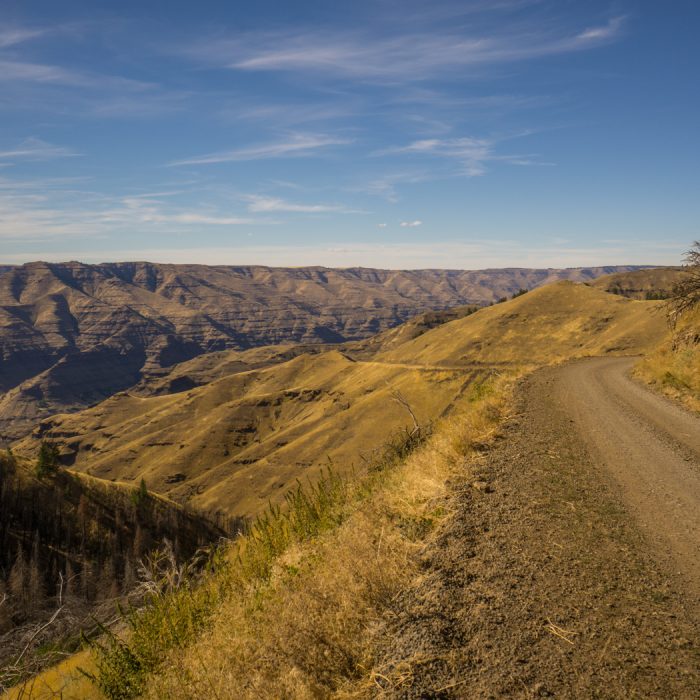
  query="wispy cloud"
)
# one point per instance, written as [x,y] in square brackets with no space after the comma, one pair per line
[472,153]
[36,149]
[605,32]
[38,72]
[386,186]
[149,210]
[295,146]
[10,36]
[197,218]
[262,204]
[411,224]
[51,209]
[290,114]
[403,57]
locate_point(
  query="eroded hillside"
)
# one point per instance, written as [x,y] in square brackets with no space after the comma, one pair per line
[73,334]
[243,437]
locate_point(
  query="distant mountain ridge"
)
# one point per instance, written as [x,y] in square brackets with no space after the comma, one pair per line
[72,334]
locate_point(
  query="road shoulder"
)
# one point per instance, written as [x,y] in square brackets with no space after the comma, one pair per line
[540,584]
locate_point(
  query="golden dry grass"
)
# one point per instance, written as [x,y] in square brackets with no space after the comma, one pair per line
[674,367]
[242,439]
[308,632]
[63,681]
[554,323]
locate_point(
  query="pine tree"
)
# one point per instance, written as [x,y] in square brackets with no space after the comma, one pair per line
[140,495]
[47,462]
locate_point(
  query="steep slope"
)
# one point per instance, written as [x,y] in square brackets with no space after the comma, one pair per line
[239,440]
[641,284]
[236,442]
[674,367]
[553,323]
[204,369]
[73,334]
[69,545]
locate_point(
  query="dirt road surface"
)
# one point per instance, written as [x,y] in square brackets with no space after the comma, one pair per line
[651,448]
[570,567]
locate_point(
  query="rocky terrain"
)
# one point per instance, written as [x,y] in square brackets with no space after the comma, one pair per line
[73,334]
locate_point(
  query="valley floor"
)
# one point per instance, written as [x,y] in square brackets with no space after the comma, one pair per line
[569,567]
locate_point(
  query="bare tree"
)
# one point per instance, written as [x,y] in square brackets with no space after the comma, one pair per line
[686,292]
[398,397]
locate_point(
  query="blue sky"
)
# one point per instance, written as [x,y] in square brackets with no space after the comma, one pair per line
[392,133]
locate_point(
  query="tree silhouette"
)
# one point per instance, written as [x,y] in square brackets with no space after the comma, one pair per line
[686,292]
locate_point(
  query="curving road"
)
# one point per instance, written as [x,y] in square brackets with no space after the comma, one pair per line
[651,449]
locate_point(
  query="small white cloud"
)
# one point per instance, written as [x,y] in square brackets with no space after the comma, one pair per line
[411,224]
[381,225]
[604,33]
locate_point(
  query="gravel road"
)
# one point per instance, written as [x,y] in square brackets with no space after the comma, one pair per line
[570,566]
[651,448]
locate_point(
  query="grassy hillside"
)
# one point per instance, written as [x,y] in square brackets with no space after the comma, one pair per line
[674,367]
[653,284]
[241,440]
[550,324]
[235,443]
[292,612]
